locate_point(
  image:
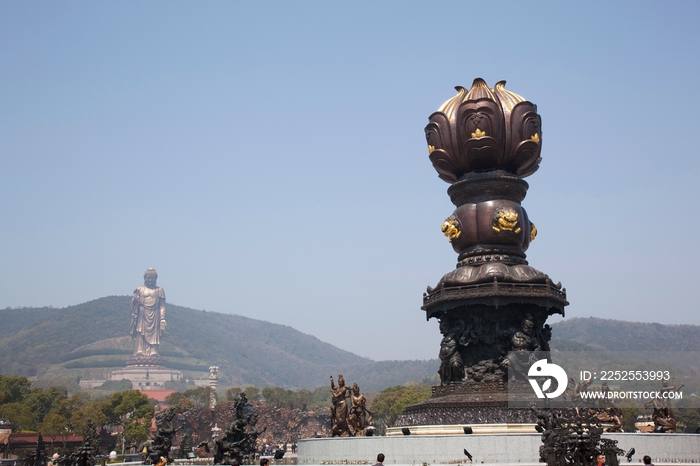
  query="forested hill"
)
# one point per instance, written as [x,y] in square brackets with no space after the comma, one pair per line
[89,339]
[594,343]
[607,334]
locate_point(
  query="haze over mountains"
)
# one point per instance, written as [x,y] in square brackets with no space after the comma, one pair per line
[90,339]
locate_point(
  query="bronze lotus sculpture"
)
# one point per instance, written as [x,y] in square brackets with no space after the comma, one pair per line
[484,129]
[484,141]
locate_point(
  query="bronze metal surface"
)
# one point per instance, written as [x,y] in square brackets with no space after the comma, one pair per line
[484,141]
[147,320]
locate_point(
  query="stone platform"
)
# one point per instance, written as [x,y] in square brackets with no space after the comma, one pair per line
[459,429]
[484,448]
[146,377]
[472,403]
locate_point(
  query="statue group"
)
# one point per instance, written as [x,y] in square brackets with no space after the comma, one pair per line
[600,408]
[662,412]
[354,422]
[236,444]
[574,438]
[516,349]
[157,451]
[239,439]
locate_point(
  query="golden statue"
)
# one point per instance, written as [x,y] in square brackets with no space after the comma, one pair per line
[507,220]
[452,228]
[147,315]
[360,418]
[339,410]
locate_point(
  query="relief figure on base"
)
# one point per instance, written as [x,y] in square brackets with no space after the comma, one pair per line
[524,350]
[147,316]
[451,366]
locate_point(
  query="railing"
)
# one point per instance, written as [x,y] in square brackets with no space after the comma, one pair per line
[496,288]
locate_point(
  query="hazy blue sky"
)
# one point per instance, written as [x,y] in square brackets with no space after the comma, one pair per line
[269,160]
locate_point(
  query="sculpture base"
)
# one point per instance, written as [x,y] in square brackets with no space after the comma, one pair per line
[467,403]
[143,360]
[461,429]
[516,449]
[146,378]
[484,408]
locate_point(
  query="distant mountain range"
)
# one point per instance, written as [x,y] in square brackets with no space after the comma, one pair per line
[610,345]
[616,335]
[90,339]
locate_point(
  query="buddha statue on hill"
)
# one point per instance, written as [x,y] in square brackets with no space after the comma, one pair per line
[147,319]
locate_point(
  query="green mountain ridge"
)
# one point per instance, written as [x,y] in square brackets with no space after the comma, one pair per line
[88,340]
[608,345]
[594,333]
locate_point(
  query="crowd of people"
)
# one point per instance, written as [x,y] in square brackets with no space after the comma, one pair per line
[270,449]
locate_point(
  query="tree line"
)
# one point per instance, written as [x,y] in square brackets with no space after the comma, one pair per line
[56,414]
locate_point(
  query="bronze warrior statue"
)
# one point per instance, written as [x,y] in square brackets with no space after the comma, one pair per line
[360,417]
[158,450]
[239,440]
[339,410]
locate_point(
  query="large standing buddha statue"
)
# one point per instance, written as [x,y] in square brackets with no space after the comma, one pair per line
[147,320]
